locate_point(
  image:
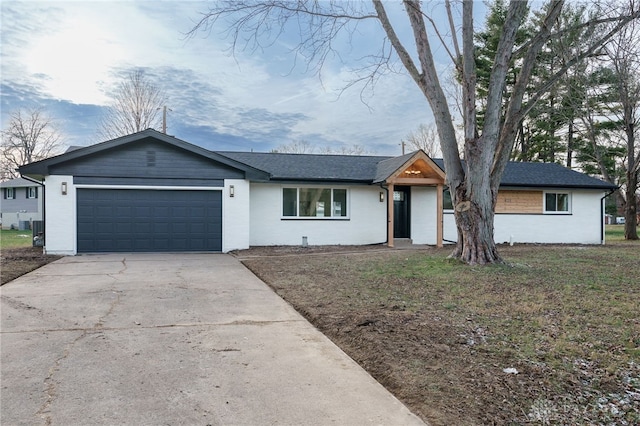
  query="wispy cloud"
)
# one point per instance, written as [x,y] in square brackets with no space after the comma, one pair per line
[69,55]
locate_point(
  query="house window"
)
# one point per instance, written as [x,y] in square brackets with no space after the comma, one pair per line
[557,202]
[447,203]
[32,192]
[9,193]
[314,202]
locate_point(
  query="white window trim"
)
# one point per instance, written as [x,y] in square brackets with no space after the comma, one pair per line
[297,217]
[544,203]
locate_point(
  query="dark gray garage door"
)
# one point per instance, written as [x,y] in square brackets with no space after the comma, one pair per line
[132,220]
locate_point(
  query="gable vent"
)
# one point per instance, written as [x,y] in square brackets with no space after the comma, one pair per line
[151,158]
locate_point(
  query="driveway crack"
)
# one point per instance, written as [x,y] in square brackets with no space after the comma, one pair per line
[113,304]
[50,384]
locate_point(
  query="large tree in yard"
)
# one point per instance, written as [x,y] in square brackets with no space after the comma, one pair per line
[474,182]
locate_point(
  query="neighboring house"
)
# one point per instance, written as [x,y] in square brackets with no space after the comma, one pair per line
[21,203]
[152,192]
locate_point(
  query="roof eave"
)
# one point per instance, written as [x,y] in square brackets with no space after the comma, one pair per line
[607,187]
[319,180]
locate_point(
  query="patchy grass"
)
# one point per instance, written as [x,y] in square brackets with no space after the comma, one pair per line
[442,336]
[10,238]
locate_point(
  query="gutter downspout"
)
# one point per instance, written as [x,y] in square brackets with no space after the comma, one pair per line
[44,222]
[602,214]
[387,210]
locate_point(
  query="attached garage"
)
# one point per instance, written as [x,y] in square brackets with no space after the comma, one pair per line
[146,192]
[140,220]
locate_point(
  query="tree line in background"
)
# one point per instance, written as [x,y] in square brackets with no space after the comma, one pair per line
[557,85]
[588,119]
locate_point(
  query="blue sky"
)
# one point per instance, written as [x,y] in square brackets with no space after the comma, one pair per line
[66,56]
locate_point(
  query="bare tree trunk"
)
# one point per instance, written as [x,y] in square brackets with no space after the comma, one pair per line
[630,211]
[570,144]
[474,221]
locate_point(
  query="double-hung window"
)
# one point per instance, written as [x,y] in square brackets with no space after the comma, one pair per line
[557,202]
[32,192]
[314,203]
[9,193]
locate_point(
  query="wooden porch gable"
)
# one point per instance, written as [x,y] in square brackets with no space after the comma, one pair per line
[418,170]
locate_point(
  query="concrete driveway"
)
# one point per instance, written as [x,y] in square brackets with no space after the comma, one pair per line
[172,339]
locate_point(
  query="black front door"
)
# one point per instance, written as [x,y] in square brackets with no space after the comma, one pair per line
[401,217]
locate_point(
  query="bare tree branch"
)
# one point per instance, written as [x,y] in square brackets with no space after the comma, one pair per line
[425,137]
[135,107]
[30,136]
[295,147]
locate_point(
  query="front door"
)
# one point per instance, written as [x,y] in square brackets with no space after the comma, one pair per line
[401,209]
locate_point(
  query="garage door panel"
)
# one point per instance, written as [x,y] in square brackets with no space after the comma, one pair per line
[148,220]
[181,228]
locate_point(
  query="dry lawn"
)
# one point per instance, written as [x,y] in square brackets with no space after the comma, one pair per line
[17,261]
[551,338]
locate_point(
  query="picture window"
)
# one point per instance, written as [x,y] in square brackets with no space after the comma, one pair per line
[314,202]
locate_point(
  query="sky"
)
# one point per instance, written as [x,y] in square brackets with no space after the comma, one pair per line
[66,57]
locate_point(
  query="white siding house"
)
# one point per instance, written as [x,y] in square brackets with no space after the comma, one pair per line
[151,192]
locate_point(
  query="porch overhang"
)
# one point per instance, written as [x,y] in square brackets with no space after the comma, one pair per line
[415,169]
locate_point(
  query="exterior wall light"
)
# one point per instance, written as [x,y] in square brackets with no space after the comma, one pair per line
[63,188]
[381,197]
[232,191]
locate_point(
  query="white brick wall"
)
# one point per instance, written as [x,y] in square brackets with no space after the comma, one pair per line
[582,226]
[60,211]
[366,223]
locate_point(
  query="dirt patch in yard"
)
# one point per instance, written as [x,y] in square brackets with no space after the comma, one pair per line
[551,338]
[15,262]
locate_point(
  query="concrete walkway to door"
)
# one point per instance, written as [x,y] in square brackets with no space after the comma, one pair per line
[172,339]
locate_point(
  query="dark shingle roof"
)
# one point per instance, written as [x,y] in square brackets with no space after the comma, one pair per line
[375,169]
[549,175]
[388,166]
[310,167]
[326,168]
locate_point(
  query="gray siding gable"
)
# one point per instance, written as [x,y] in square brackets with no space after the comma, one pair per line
[147,159]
